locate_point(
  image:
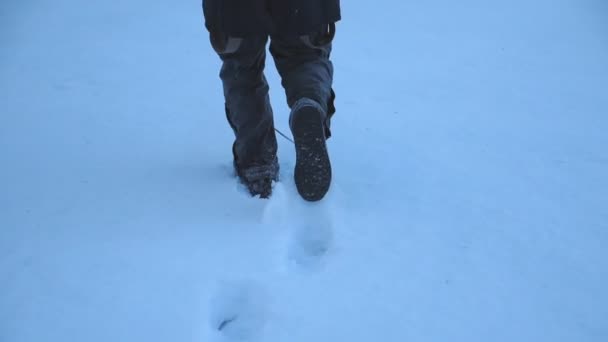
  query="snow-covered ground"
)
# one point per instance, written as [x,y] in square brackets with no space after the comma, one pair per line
[470,201]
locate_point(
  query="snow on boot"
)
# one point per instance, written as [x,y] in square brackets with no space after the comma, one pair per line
[258,178]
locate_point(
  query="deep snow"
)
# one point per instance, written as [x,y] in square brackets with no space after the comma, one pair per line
[470,165]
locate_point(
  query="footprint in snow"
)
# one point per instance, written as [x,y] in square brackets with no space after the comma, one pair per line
[311,235]
[308,227]
[238,311]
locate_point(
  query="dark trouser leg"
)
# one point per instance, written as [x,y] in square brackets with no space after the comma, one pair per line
[247,103]
[305,68]
[307,75]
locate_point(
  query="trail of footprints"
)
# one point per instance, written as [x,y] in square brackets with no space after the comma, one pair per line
[239,309]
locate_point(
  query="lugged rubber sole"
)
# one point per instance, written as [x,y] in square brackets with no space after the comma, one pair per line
[312,173]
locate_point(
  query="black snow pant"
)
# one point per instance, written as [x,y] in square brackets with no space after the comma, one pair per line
[306,71]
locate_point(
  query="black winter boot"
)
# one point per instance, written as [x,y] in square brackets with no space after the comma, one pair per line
[258,178]
[313,169]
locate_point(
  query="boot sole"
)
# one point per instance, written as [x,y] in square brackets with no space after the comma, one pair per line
[312,173]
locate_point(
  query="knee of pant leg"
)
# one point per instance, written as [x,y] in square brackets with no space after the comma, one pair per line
[326,35]
[224,44]
[320,39]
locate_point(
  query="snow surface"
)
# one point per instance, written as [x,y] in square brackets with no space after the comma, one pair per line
[470,200]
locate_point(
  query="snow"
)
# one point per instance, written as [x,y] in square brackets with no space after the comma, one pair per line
[470,188]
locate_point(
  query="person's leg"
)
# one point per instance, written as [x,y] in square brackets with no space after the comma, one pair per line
[248,109]
[306,69]
[307,75]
